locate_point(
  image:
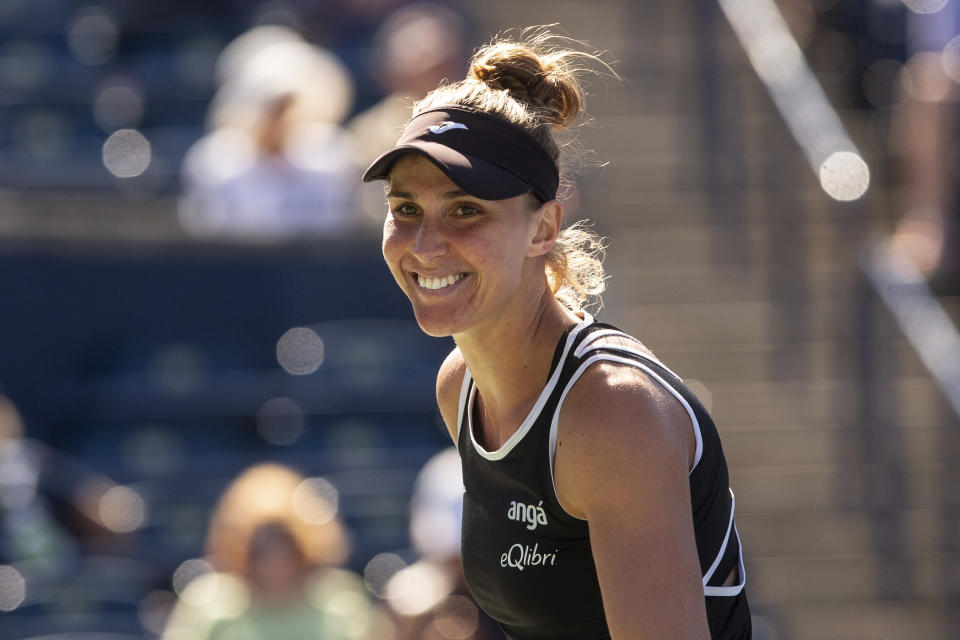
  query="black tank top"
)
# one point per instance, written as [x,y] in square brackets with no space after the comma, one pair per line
[527,561]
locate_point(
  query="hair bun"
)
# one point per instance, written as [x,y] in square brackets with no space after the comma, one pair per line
[517,76]
[532,74]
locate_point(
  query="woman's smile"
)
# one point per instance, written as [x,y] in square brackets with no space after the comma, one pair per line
[438,284]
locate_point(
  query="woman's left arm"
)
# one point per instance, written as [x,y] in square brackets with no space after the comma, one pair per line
[624,450]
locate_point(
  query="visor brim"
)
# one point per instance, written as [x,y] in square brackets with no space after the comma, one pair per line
[474,175]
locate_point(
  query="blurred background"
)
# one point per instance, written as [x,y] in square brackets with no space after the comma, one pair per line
[191,287]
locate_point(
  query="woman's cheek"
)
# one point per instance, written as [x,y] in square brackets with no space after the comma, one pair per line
[392,249]
[389,245]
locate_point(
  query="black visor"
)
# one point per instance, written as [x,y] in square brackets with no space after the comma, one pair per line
[485,156]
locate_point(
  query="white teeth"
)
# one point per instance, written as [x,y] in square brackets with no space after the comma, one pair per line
[438,283]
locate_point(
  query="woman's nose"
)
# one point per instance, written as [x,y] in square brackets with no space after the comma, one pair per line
[430,241]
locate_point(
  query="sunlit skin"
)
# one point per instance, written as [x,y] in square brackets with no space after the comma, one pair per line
[435,229]
[500,312]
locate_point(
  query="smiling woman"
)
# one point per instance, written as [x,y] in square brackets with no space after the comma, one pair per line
[627,524]
[458,258]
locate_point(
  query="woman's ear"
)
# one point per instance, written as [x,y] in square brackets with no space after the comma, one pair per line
[549,219]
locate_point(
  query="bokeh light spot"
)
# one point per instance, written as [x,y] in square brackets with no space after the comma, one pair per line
[154,610]
[122,510]
[300,351]
[42,133]
[342,598]
[349,614]
[316,501]
[280,421]
[92,36]
[153,450]
[277,13]
[925,6]
[178,368]
[457,619]
[844,176]
[126,153]
[379,570]
[222,595]
[187,572]
[24,65]
[118,104]
[417,589]
[951,59]
[13,588]
[926,77]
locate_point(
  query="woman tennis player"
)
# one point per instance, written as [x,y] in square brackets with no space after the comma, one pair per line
[597,502]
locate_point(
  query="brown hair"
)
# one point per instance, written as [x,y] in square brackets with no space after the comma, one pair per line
[534,82]
[273,495]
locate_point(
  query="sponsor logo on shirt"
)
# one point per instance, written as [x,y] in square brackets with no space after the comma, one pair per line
[528,514]
[520,556]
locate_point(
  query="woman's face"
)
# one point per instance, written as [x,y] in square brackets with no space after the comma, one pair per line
[461,260]
[276,567]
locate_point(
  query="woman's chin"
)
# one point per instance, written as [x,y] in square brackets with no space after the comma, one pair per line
[436,325]
[436,330]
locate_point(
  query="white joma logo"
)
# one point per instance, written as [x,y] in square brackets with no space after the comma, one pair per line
[446,126]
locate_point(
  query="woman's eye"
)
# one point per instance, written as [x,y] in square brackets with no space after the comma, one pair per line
[405,210]
[465,210]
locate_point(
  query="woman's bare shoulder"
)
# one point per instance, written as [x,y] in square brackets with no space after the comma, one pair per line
[449,382]
[616,421]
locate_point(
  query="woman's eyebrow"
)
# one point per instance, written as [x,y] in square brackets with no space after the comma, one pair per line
[396,193]
[449,195]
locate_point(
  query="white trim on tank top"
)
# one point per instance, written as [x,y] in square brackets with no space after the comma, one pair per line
[461,403]
[735,589]
[603,333]
[527,424]
[646,355]
[698,454]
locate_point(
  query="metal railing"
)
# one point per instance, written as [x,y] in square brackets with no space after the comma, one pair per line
[919,315]
[815,125]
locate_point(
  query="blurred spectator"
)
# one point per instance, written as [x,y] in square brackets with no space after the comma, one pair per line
[53,508]
[429,599]
[275,544]
[277,163]
[414,49]
[925,138]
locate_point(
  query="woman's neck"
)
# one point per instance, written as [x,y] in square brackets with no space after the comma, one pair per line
[509,361]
